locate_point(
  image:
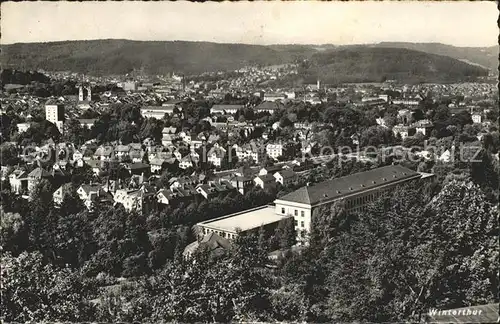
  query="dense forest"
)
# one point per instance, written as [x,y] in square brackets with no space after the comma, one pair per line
[362,64]
[343,64]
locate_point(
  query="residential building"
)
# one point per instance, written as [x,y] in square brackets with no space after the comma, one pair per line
[18,181]
[285,177]
[157,165]
[60,193]
[265,181]
[355,191]
[214,189]
[211,242]
[138,200]
[225,109]
[35,176]
[401,130]
[241,183]
[215,156]
[22,127]
[273,96]
[274,150]
[270,170]
[87,123]
[54,113]
[268,106]
[477,118]
[423,126]
[158,112]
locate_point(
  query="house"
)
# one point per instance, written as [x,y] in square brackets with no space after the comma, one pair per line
[285,177]
[181,182]
[211,242]
[195,143]
[61,192]
[241,183]
[225,109]
[401,130]
[87,123]
[273,96]
[250,151]
[35,176]
[167,196]
[95,165]
[423,126]
[406,101]
[138,200]
[90,193]
[267,106]
[186,162]
[22,127]
[77,155]
[121,151]
[104,153]
[270,170]
[477,118]
[214,189]
[157,112]
[18,181]
[138,168]
[355,191]
[157,165]
[265,181]
[215,156]
[274,150]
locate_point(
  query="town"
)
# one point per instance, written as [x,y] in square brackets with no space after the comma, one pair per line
[248,183]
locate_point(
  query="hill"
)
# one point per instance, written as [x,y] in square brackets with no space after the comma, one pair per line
[330,63]
[124,56]
[483,56]
[9,76]
[374,64]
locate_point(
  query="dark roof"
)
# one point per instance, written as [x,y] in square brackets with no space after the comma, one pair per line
[226,107]
[212,242]
[473,314]
[138,166]
[273,168]
[287,173]
[39,173]
[336,188]
[267,178]
[268,105]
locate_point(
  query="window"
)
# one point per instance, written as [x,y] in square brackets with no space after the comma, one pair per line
[302,223]
[302,213]
[296,212]
[282,210]
[296,223]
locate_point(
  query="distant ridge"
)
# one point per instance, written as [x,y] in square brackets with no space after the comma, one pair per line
[118,56]
[484,56]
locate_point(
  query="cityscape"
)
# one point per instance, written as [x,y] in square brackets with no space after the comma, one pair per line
[205,181]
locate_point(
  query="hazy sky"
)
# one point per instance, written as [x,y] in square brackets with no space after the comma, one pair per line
[456,23]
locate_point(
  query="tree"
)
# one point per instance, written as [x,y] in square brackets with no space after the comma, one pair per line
[8,153]
[35,291]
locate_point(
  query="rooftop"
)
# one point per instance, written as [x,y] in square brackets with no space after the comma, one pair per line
[245,220]
[348,185]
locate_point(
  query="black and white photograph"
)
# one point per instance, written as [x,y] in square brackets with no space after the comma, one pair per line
[249,162]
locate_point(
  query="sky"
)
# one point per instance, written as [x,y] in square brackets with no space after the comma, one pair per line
[457,23]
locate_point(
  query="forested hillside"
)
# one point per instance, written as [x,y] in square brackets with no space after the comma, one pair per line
[331,64]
